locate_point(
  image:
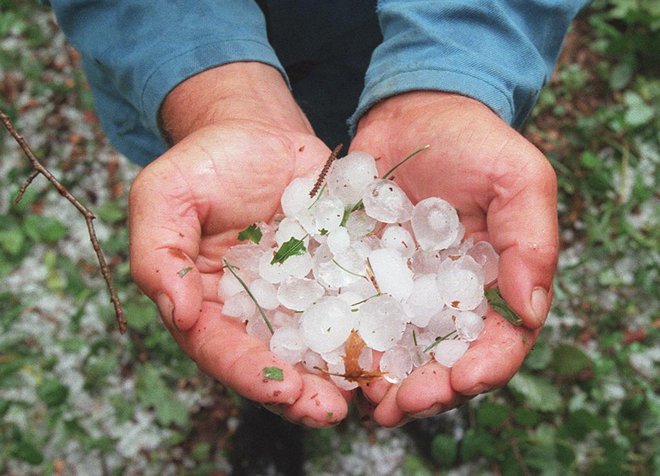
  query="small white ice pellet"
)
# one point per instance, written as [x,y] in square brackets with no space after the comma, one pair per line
[327,324]
[435,224]
[287,343]
[240,305]
[298,294]
[338,240]
[385,201]
[449,351]
[296,197]
[424,301]
[469,325]
[350,175]
[484,254]
[391,272]
[399,239]
[461,283]
[396,363]
[381,322]
[228,286]
[265,294]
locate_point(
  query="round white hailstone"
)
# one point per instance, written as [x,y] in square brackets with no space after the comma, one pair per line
[398,238]
[312,362]
[287,343]
[296,196]
[366,359]
[449,351]
[441,325]
[240,305]
[328,214]
[330,274]
[362,287]
[245,257]
[396,363]
[339,369]
[298,294]
[458,241]
[435,224]
[338,240]
[419,357]
[482,308]
[350,175]
[484,254]
[469,325]
[264,293]
[327,324]
[391,272]
[461,283]
[334,356]
[283,319]
[385,201]
[298,266]
[228,286]
[289,228]
[424,300]
[351,298]
[426,262]
[382,322]
[256,327]
[360,224]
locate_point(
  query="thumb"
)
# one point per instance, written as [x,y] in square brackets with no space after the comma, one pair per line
[522,225]
[164,235]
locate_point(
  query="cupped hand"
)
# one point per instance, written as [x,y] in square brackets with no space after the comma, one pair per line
[186,209]
[505,192]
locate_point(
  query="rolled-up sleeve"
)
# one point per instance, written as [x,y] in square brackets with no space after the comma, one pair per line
[135,53]
[500,52]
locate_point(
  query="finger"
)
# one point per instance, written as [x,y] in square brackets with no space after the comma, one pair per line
[388,413]
[375,389]
[165,233]
[427,391]
[522,224]
[222,349]
[494,358]
[320,405]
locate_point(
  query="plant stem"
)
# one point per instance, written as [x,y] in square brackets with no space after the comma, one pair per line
[232,270]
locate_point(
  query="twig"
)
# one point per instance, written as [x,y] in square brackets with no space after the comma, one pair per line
[324,171]
[38,169]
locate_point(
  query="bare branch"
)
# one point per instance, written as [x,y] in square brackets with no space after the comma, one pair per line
[39,169]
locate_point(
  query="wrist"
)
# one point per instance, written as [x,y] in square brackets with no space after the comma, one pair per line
[244,91]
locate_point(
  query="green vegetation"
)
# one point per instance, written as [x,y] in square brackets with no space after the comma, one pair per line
[76,394]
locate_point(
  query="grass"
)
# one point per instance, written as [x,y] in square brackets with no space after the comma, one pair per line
[74,395]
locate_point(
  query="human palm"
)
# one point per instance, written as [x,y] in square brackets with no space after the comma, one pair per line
[505,192]
[186,209]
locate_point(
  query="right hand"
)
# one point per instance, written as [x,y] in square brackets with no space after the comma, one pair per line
[239,140]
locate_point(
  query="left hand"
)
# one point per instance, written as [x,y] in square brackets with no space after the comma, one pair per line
[505,192]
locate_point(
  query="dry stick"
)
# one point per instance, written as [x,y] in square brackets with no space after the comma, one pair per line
[324,171]
[38,168]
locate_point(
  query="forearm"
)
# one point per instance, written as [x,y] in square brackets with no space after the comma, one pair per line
[246,91]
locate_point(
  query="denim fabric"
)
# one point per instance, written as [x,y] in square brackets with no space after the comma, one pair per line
[134,53]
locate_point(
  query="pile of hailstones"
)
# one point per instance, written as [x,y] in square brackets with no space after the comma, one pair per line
[402,276]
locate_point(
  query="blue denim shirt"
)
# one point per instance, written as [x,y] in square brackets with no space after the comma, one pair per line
[340,57]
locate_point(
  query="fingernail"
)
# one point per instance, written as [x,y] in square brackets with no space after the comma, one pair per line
[540,305]
[166,308]
[429,412]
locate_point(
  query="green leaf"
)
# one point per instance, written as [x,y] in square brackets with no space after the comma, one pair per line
[537,393]
[500,306]
[53,392]
[491,414]
[44,228]
[153,392]
[111,212]
[290,248]
[28,452]
[638,112]
[444,450]
[620,76]
[569,361]
[273,373]
[11,240]
[252,233]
